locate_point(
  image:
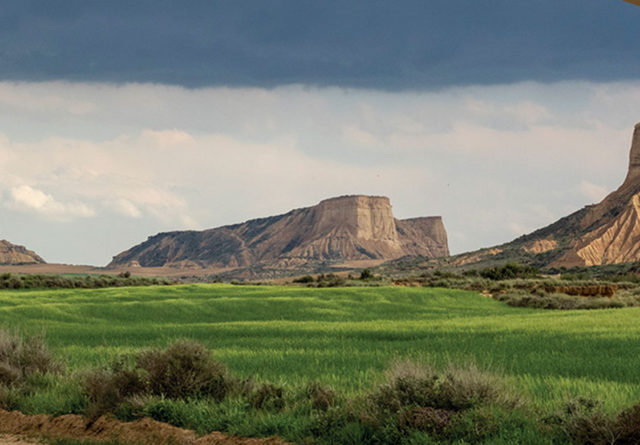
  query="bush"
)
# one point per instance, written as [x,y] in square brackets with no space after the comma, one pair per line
[330,280]
[542,300]
[366,274]
[419,397]
[322,397]
[20,358]
[184,369]
[585,422]
[509,271]
[106,389]
[304,280]
[268,397]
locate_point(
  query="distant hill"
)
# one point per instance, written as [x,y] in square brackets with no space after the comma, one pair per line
[11,254]
[337,229]
[604,233]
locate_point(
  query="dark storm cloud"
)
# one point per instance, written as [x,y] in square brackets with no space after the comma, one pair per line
[374,44]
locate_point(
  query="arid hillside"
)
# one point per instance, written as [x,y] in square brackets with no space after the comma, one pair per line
[603,233]
[11,254]
[346,228]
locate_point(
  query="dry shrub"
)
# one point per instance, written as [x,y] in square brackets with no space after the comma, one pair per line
[322,397]
[20,358]
[420,397]
[628,426]
[184,369]
[585,422]
[465,388]
[268,397]
[106,389]
[427,419]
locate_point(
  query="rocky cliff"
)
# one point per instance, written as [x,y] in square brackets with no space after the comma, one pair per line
[12,254]
[337,229]
[604,233]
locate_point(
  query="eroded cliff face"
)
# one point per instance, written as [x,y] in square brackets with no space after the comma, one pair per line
[344,228]
[604,233]
[12,254]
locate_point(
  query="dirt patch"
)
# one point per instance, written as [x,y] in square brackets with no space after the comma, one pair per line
[6,439]
[143,431]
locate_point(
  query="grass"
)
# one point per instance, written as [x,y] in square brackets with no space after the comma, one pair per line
[341,337]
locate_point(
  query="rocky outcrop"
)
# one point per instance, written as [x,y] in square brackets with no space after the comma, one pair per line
[337,229]
[604,233]
[10,254]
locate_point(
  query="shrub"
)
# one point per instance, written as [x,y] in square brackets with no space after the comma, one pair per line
[20,358]
[330,280]
[106,389]
[543,300]
[304,279]
[419,397]
[322,397]
[366,274]
[184,369]
[268,397]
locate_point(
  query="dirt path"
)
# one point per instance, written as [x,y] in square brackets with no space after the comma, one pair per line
[143,431]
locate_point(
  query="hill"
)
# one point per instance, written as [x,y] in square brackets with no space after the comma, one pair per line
[599,234]
[345,228]
[11,254]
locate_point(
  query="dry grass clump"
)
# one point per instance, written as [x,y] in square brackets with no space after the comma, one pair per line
[322,397]
[420,397]
[184,369]
[268,397]
[21,357]
[585,422]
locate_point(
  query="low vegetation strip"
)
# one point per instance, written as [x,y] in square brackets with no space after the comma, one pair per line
[37,281]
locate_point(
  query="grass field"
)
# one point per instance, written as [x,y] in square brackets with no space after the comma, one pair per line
[345,337]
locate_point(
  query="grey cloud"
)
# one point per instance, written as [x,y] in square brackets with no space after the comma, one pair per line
[406,44]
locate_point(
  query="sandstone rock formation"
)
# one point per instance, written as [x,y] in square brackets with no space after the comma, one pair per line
[604,233]
[13,255]
[337,229]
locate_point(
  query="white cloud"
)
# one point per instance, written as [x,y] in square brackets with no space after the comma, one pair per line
[27,198]
[126,208]
[594,192]
[494,161]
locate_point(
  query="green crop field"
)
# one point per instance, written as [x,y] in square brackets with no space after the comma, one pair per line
[345,337]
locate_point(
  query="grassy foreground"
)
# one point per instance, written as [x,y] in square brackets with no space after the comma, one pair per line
[344,337]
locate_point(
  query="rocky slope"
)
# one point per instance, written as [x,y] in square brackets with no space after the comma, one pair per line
[13,255]
[337,229]
[604,233]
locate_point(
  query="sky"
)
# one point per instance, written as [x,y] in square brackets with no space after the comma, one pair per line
[122,119]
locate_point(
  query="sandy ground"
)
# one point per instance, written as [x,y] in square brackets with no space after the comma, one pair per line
[139,271]
[6,439]
[143,431]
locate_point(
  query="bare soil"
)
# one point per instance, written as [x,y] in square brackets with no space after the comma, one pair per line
[54,269]
[143,431]
[6,439]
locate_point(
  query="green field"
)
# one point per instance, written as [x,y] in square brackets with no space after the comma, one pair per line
[345,337]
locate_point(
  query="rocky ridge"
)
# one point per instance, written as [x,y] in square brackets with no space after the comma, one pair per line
[11,254]
[337,229]
[603,233]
